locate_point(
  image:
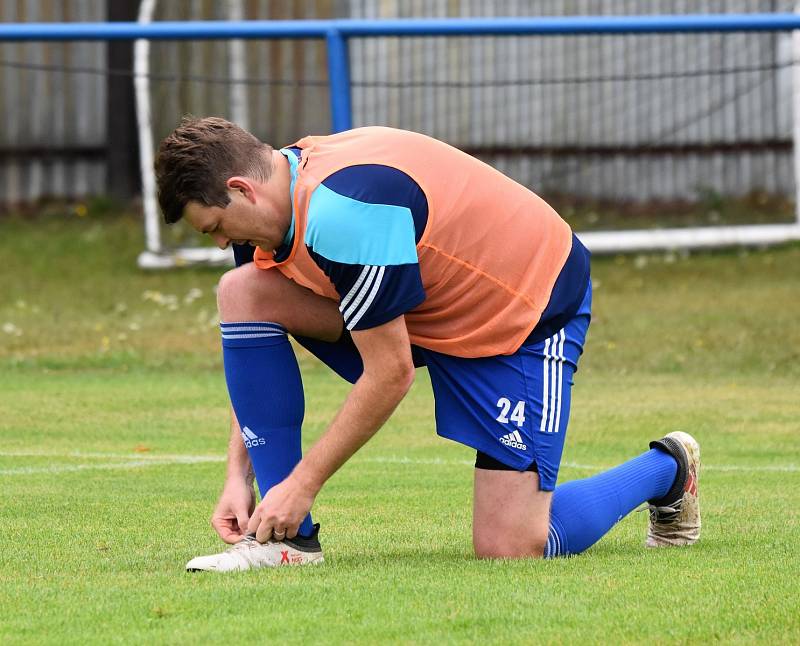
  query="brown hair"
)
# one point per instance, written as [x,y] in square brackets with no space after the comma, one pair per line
[198,158]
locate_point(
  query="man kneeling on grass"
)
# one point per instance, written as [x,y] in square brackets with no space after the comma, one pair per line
[382,250]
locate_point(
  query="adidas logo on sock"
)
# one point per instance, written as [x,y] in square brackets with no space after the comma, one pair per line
[514,440]
[250,439]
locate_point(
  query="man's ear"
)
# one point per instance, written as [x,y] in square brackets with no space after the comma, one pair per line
[243,185]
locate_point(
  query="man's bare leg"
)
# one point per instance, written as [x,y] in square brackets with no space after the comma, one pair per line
[510,515]
[513,519]
[251,294]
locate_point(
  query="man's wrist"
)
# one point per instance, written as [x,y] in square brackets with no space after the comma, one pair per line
[307,478]
[238,478]
[240,469]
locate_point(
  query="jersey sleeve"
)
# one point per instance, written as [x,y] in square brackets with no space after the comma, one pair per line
[363,226]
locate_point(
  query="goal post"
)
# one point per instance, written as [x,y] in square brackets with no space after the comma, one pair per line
[156,255]
[795,49]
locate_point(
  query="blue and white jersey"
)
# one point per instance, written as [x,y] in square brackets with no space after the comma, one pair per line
[362,227]
[362,230]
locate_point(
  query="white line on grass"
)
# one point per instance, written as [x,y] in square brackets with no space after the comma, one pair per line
[135,461]
[66,468]
[167,457]
[130,464]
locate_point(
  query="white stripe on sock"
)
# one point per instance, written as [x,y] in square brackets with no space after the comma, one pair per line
[252,336]
[278,329]
[552,548]
[558,542]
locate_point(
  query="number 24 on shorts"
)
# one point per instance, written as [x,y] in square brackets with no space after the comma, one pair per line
[517,416]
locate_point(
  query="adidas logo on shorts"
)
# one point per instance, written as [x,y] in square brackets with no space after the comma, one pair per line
[514,440]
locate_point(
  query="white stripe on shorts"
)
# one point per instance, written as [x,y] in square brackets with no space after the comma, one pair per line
[552,373]
[560,380]
[545,397]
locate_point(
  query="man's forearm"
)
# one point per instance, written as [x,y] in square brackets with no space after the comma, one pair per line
[388,372]
[369,404]
[239,466]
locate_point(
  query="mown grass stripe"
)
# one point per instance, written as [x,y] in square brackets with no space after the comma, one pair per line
[194,459]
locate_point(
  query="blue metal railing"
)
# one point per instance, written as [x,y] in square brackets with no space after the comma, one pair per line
[337,32]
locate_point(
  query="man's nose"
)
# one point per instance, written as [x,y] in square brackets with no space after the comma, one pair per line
[220,240]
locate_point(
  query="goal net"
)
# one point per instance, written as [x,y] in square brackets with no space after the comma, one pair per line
[645,141]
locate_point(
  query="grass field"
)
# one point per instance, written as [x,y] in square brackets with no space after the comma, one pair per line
[113,431]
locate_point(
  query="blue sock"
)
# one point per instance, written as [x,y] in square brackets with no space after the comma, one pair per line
[584,510]
[267,395]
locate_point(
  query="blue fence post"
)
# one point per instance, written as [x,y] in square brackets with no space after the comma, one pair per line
[339,78]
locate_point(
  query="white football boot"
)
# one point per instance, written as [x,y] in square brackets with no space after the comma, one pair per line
[249,554]
[675,518]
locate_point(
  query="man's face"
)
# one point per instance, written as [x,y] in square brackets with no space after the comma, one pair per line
[241,222]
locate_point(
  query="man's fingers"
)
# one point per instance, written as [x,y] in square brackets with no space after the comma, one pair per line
[244,520]
[261,527]
[226,531]
[267,531]
[254,522]
[264,532]
[230,537]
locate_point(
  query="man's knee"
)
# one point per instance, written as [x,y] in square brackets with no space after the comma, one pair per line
[248,293]
[510,515]
[244,293]
[507,547]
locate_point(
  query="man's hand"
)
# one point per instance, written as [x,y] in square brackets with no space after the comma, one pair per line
[388,373]
[233,510]
[280,513]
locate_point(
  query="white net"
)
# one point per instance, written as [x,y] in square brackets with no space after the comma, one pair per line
[618,132]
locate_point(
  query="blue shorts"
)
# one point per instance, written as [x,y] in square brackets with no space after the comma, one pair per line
[514,408]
